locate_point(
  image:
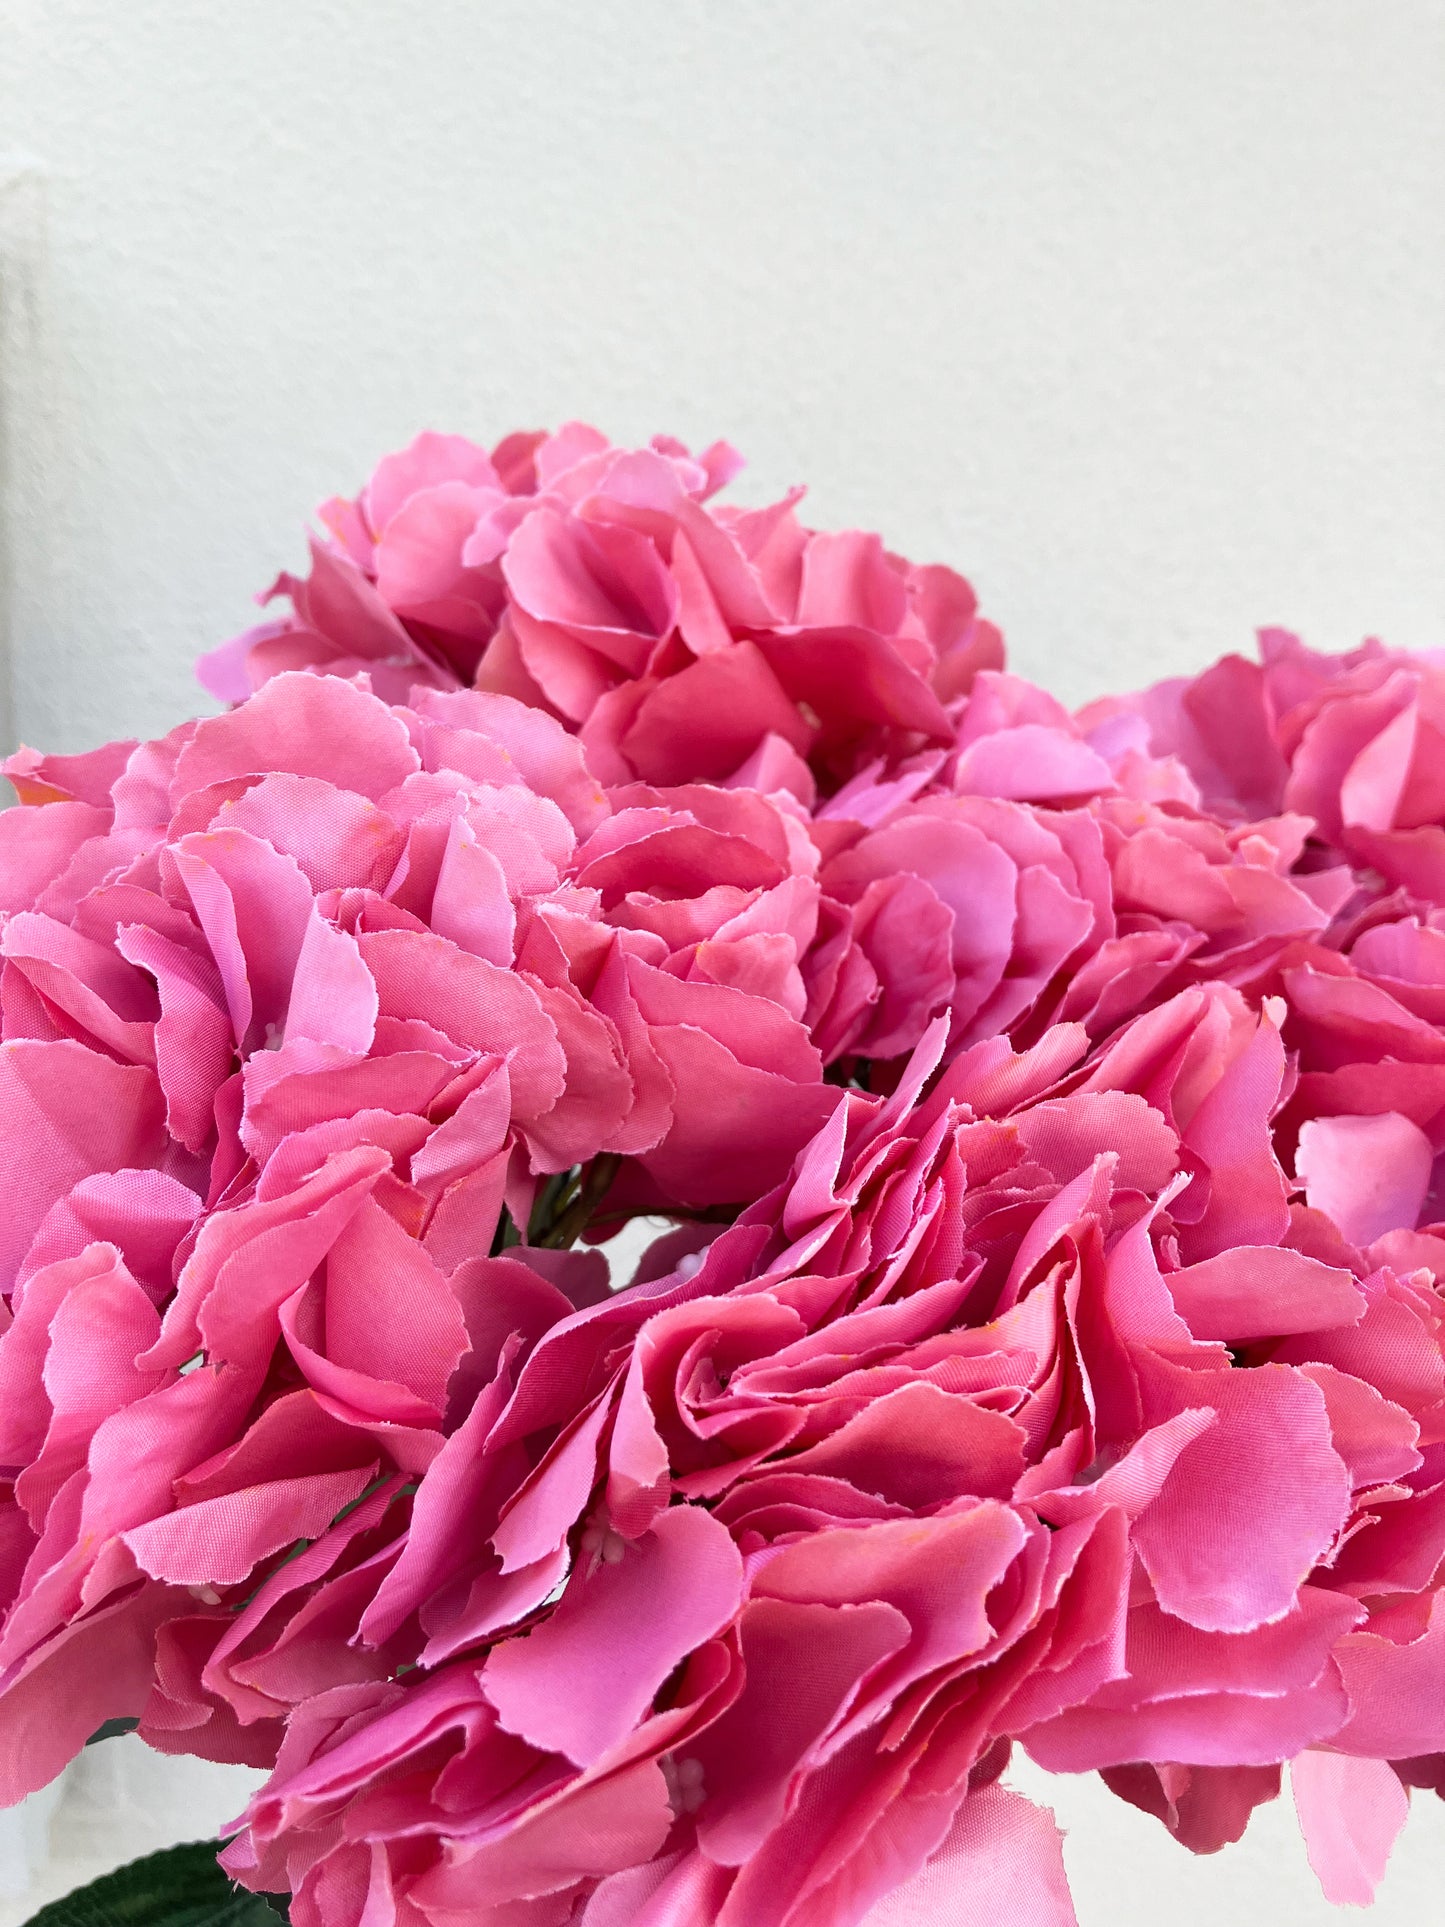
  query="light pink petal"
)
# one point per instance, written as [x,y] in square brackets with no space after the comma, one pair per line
[669,1891]
[847,580]
[1168,1659]
[217,1542]
[1263,1291]
[1200,1729]
[704,721]
[37,845]
[497,739]
[937,1572]
[1371,790]
[1033,763]
[775,765]
[333,998]
[851,678]
[1002,1861]
[107,1002]
[1332,740]
[98,1330]
[1250,1504]
[970,875]
[1396,1688]
[595,1826]
[254,906]
[1230,1132]
[1350,1812]
[589,576]
[853,1836]
[475,1003]
[906,932]
[307,726]
[418,557]
[737,1128]
[495,1603]
[470,903]
[144,1214]
[1370,1174]
[592,1113]
[195,1039]
[341,840]
[441,1540]
[429,459]
[389,1311]
[351,1392]
[248,1260]
[86,778]
[1066,1136]
[549,1501]
[1375,1437]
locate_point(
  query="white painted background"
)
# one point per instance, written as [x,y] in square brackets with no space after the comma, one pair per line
[1136,312]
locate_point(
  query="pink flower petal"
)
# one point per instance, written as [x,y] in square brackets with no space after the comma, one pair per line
[616,1636]
[1370,1174]
[1002,1860]
[1350,1812]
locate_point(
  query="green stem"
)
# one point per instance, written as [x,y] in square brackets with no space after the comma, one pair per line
[568,1227]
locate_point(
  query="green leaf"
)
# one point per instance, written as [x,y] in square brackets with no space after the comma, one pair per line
[112,1730]
[179,1887]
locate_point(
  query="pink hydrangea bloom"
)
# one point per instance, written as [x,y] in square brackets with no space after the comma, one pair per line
[680,638]
[1016,881]
[1015,1413]
[1355,742]
[294,1002]
[1049,1347]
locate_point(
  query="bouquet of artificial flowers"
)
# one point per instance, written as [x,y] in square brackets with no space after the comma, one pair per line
[1038,1335]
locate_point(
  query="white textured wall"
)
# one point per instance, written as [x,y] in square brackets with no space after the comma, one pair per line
[1134,311]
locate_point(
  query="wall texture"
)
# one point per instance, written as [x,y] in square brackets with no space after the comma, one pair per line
[1136,313]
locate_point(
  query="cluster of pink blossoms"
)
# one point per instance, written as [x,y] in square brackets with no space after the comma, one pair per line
[1048,1345]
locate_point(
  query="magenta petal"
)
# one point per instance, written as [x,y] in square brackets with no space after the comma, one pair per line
[803,1667]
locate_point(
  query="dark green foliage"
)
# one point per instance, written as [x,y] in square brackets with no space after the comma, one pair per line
[180,1887]
[112,1730]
